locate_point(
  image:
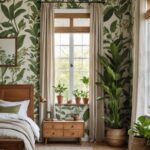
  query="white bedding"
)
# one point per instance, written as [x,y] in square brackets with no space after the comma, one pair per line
[4,117]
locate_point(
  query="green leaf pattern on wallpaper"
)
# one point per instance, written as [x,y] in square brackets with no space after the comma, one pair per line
[66,112]
[21,19]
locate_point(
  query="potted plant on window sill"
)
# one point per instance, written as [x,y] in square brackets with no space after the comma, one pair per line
[77,95]
[140,133]
[84,95]
[60,89]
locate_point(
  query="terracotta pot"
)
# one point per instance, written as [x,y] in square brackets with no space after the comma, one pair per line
[138,143]
[60,99]
[76,117]
[116,137]
[69,102]
[85,100]
[78,100]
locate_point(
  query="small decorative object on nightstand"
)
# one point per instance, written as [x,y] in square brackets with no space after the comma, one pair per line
[63,129]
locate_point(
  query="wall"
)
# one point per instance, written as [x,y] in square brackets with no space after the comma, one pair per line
[21,18]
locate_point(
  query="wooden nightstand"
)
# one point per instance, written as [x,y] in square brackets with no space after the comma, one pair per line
[63,129]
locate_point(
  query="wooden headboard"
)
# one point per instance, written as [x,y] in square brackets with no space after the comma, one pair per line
[18,93]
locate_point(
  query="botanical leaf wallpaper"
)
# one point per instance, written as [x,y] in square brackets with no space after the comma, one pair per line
[66,112]
[20,18]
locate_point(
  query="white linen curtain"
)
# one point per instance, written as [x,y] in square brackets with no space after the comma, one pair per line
[46,58]
[96,122]
[139,57]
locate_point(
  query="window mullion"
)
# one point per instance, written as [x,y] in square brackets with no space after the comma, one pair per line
[71,69]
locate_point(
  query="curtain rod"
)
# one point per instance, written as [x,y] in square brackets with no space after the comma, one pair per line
[72,1]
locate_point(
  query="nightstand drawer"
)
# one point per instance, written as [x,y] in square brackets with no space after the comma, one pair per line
[53,133]
[73,126]
[73,133]
[52,126]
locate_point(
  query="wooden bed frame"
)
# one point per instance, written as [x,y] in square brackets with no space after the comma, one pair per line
[16,93]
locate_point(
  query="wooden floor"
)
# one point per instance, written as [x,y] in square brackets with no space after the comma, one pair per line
[96,146]
[104,146]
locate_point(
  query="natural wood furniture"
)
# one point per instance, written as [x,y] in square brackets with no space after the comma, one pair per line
[16,93]
[63,129]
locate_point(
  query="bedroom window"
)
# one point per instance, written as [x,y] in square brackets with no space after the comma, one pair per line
[147,105]
[71,50]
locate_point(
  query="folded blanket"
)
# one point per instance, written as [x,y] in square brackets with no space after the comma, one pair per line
[18,128]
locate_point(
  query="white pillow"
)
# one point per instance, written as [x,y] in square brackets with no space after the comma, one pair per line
[23,107]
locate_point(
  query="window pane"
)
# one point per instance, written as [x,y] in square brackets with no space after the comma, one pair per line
[86,65]
[64,39]
[86,51]
[77,51]
[78,64]
[81,22]
[86,39]
[57,38]
[62,64]
[73,48]
[77,39]
[64,51]
[62,22]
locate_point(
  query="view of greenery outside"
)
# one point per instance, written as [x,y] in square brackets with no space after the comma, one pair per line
[71,61]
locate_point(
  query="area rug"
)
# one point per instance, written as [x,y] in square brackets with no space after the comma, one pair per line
[49,147]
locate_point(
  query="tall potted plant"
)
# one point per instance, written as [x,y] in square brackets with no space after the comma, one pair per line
[115,63]
[60,89]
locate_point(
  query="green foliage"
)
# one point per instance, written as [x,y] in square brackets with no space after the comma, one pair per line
[85,80]
[84,94]
[60,88]
[77,93]
[141,128]
[113,81]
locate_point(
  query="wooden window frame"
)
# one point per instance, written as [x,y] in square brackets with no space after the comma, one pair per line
[147,15]
[72,29]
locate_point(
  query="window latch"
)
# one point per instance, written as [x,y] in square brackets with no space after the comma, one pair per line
[71,65]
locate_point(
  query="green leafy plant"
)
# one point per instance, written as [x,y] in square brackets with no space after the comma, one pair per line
[115,63]
[84,94]
[85,81]
[60,88]
[141,128]
[77,93]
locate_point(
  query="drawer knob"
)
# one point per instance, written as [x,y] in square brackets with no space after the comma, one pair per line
[53,133]
[72,133]
[72,126]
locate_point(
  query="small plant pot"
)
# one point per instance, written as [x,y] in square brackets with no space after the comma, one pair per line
[78,100]
[138,143]
[60,99]
[116,137]
[69,102]
[85,100]
[76,117]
